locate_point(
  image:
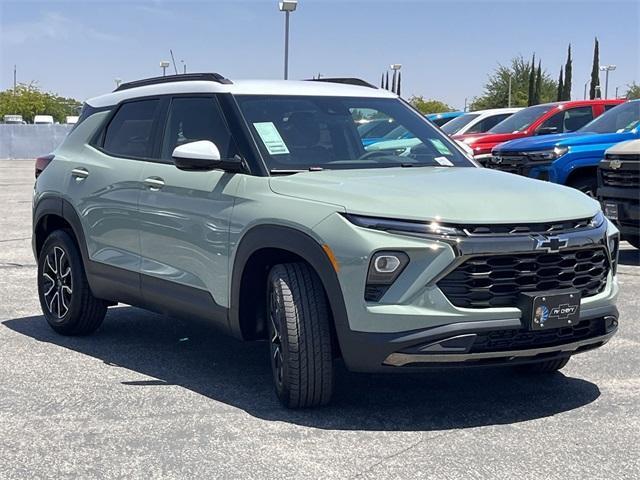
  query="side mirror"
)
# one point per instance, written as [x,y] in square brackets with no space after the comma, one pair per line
[546,130]
[203,156]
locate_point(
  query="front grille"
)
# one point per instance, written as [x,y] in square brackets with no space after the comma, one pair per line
[498,280]
[621,178]
[506,340]
[528,228]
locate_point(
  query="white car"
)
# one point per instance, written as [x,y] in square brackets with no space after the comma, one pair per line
[43,120]
[477,122]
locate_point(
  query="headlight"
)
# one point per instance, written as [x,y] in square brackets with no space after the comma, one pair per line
[547,155]
[613,245]
[425,229]
[597,220]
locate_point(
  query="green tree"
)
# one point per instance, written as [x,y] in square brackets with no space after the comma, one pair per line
[566,89]
[560,87]
[496,89]
[29,100]
[633,92]
[532,81]
[426,106]
[538,87]
[595,72]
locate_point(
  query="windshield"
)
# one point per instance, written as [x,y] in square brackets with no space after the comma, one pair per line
[622,118]
[375,128]
[297,133]
[454,126]
[521,120]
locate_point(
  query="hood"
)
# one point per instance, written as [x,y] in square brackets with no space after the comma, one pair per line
[473,139]
[448,194]
[575,139]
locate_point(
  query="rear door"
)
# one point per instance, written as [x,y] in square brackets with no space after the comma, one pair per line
[105,184]
[184,229]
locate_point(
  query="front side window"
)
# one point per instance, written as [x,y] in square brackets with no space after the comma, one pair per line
[569,120]
[296,133]
[130,132]
[521,120]
[191,119]
[623,118]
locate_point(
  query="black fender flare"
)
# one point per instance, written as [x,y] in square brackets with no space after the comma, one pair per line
[60,207]
[298,243]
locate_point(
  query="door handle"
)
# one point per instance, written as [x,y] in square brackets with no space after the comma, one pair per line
[80,173]
[154,183]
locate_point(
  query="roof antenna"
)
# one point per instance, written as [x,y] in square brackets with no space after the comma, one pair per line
[174,61]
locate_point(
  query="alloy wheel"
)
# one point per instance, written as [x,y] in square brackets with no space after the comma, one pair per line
[57,282]
[275,340]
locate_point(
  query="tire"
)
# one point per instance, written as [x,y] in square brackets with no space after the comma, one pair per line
[65,297]
[299,336]
[586,184]
[548,366]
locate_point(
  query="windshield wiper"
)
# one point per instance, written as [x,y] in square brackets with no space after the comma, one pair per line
[277,171]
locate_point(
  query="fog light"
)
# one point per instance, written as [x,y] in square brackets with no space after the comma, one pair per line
[386,263]
[384,269]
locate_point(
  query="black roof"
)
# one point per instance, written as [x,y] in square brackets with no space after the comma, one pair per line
[185,77]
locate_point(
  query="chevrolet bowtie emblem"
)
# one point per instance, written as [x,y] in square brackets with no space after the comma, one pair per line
[551,244]
[615,164]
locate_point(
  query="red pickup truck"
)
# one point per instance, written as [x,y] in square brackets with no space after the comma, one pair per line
[559,117]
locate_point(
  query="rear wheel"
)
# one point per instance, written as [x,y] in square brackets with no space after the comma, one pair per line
[299,336]
[65,297]
[547,366]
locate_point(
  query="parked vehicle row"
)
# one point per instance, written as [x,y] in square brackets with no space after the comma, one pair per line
[257,207]
[38,120]
[619,188]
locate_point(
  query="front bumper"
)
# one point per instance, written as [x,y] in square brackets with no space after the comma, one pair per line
[415,314]
[484,343]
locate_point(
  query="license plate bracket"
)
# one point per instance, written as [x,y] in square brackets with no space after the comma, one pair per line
[547,310]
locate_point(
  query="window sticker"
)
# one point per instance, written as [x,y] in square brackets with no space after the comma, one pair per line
[271,138]
[444,161]
[440,146]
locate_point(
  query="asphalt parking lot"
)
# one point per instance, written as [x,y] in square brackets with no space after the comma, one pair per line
[149,396]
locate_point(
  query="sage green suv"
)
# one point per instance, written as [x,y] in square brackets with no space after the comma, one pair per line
[256,206]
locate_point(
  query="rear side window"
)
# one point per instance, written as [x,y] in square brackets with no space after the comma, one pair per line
[488,123]
[130,132]
[192,119]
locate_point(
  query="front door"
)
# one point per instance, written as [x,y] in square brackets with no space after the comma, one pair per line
[184,230]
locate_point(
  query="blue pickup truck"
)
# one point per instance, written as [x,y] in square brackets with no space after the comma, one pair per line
[570,158]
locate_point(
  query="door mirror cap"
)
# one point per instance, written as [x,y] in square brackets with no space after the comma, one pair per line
[546,130]
[203,156]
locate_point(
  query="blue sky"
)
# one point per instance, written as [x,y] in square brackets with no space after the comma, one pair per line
[447,48]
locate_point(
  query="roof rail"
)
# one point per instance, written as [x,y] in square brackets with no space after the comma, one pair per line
[346,80]
[185,77]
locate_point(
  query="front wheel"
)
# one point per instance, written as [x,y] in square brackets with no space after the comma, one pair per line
[587,185]
[299,336]
[65,297]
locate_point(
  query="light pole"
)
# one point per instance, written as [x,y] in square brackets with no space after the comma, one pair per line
[118,81]
[607,69]
[163,65]
[585,89]
[184,67]
[287,6]
[509,102]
